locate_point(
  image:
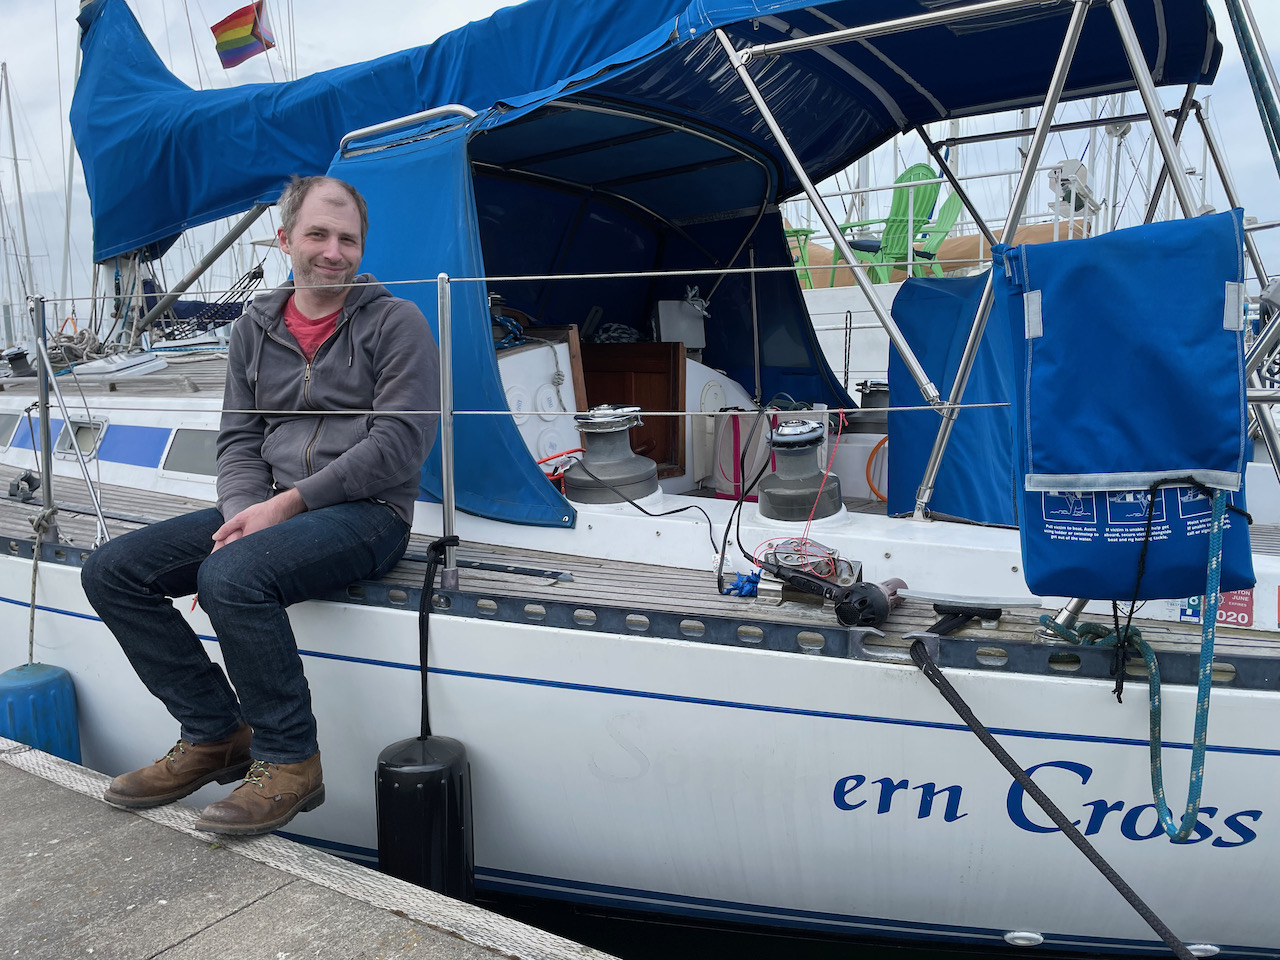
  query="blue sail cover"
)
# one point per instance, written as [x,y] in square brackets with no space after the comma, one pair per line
[159,157]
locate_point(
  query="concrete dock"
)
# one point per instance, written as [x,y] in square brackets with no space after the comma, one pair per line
[80,878]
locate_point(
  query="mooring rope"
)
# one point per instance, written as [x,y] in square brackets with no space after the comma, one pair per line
[1093,634]
[41,523]
[920,654]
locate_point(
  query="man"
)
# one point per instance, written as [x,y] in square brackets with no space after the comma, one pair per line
[309,500]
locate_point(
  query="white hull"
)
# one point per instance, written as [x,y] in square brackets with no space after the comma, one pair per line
[703,780]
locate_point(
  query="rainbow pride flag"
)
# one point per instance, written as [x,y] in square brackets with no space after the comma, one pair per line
[242,35]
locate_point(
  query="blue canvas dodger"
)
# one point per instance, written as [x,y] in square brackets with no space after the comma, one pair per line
[1129,369]
[976,478]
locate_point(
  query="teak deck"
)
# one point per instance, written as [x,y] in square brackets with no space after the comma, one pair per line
[575,592]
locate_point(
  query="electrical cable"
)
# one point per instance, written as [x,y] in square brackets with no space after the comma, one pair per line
[743,490]
[870,459]
[435,556]
[692,506]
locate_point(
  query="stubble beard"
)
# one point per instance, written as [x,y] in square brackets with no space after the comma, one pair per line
[325,284]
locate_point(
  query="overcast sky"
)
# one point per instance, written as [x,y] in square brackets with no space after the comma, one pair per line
[318,34]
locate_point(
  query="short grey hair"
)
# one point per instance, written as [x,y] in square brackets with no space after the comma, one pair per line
[290,202]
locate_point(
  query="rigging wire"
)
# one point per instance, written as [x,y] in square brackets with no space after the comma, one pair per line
[57,65]
[195,54]
[1136,178]
[168,42]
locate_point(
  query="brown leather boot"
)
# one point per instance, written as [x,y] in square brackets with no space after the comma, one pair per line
[182,771]
[270,796]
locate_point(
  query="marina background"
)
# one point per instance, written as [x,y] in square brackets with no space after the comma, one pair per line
[315,35]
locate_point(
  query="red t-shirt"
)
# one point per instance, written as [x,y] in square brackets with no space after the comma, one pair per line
[309,333]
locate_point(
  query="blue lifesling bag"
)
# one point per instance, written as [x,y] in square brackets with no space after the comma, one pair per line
[1130,407]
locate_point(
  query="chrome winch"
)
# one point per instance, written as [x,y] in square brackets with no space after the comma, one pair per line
[609,471]
[800,488]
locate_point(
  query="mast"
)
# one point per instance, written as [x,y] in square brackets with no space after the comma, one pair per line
[6,306]
[1258,68]
[17,180]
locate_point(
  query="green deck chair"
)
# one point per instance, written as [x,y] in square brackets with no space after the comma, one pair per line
[800,256]
[936,232]
[891,249]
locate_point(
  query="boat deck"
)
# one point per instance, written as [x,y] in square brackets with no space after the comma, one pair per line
[200,373]
[576,592]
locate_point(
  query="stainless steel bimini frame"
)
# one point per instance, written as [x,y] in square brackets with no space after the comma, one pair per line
[921,378]
[1155,114]
[950,408]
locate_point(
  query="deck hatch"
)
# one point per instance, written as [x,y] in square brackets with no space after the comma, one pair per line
[87,433]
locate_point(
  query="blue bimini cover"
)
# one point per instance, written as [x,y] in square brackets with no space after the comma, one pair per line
[1129,355]
[160,157]
[976,479]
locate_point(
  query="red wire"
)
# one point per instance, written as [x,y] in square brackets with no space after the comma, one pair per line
[558,475]
[562,453]
[830,461]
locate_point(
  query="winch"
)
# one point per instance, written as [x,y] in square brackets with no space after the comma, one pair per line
[796,490]
[811,568]
[19,366]
[609,472]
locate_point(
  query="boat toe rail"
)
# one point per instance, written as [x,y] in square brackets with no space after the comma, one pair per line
[565,592]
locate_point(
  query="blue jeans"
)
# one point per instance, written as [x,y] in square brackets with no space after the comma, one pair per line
[244,588]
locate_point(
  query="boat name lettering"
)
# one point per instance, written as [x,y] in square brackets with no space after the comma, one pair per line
[846,796]
[1139,822]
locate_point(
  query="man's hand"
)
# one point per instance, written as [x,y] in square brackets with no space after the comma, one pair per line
[258,517]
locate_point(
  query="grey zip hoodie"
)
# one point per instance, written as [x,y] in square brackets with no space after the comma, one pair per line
[381,357]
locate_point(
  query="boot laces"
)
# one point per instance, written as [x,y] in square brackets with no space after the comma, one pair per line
[172,756]
[258,771]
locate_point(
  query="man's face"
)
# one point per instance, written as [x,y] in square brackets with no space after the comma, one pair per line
[325,245]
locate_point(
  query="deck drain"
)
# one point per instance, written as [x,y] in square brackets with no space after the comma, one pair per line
[810,641]
[1064,662]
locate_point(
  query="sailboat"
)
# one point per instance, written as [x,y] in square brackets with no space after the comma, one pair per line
[640,741]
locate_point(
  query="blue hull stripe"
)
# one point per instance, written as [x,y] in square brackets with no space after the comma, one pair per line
[349,850]
[831,715]
[734,704]
[669,903]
